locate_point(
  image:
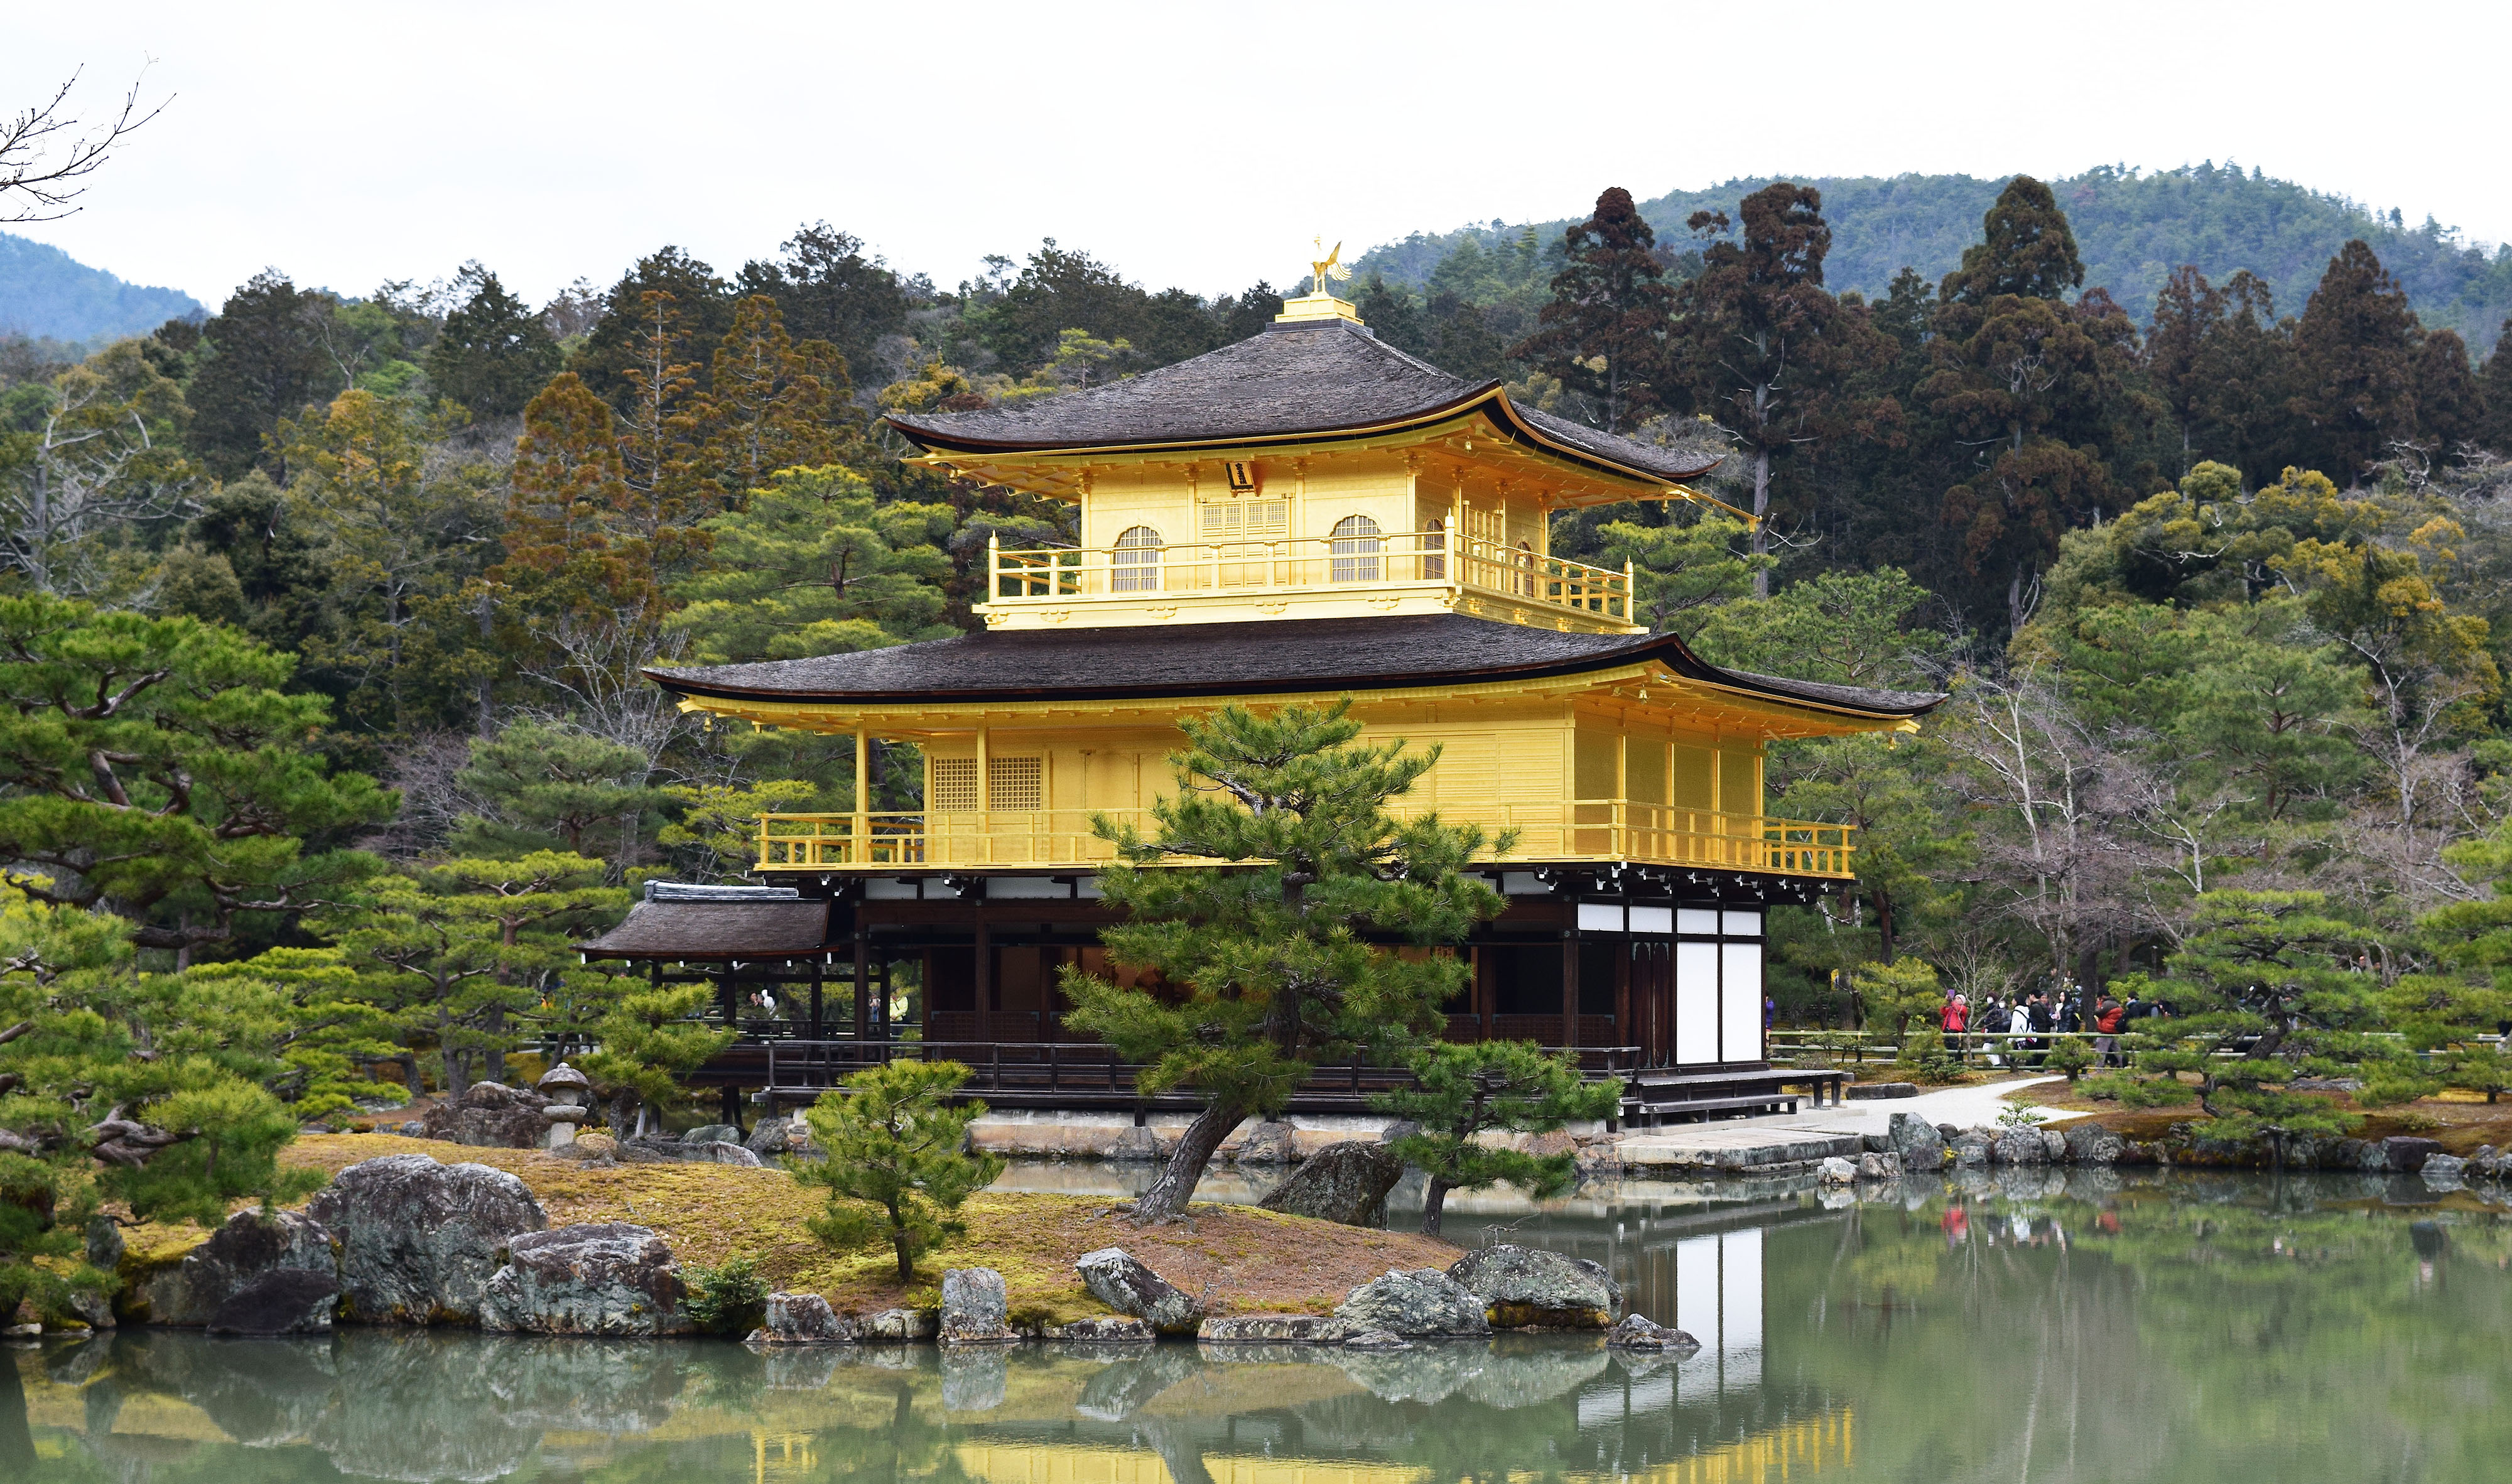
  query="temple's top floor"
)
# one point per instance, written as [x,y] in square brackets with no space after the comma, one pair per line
[1308,472]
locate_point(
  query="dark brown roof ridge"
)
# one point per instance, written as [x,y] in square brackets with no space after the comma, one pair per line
[1294,382]
[1219,659]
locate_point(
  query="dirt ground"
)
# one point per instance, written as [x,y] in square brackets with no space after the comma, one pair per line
[1241,1260]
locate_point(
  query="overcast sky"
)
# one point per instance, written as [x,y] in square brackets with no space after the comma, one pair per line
[350,143]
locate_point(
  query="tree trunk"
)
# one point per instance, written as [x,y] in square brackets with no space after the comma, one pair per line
[1435,1203]
[623,1107]
[1761,519]
[410,1076]
[1169,1194]
[488,640]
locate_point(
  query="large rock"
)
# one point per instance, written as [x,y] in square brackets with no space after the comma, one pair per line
[2019,1145]
[597,1278]
[1344,1183]
[771,1137]
[1103,1329]
[1638,1332]
[239,1254]
[804,1318]
[1886,1165]
[1119,1280]
[2444,1171]
[1835,1171]
[285,1301]
[490,1116]
[653,1150]
[1530,1288]
[973,1309]
[1917,1142]
[1275,1329]
[1424,1302]
[1269,1143]
[419,1241]
[899,1326]
[1972,1148]
[2405,1156]
[713,1133]
[2089,1142]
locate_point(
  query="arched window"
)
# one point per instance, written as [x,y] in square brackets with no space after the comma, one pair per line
[1434,550]
[1526,565]
[1354,550]
[1136,567]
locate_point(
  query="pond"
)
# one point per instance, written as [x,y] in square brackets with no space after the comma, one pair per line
[2085,1326]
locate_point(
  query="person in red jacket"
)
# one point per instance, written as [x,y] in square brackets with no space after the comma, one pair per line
[1957,1012]
[2107,1023]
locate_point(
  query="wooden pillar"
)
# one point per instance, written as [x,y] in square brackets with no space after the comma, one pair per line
[863,987]
[985,996]
[1622,995]
[1570,988]
[1485,993]
[724,998]
[862,852]
[815,1000]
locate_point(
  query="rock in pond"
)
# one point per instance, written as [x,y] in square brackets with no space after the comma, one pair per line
[239,1253]
[2444,1171]
[1275,1329]
[2089,1142]
[1530,1288]
[1344,1183]
[899,1326]
[1424,1302]
[1103,1329]
[2019,1145]
[1638,1332]
[1118,1279]
[1917,1142]
[1835,1171]
[597,1278]
[802,1318]
[2403,1155]
[973,1309]
[419,1241]
[1886,1165]
[285,1301]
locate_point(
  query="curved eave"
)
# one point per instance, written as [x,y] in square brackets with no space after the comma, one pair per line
[1667,649]
[1490,397]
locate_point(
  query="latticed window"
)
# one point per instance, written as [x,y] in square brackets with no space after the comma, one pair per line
[1136,565]
[1353,550]
[1434,550]
[1016,785]
[951,785]
[1245,520]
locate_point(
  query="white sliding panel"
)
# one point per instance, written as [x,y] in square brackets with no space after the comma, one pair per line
[1696,1002]
[1740,1038]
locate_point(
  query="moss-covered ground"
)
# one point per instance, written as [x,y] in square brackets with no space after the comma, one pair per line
[1241,1259]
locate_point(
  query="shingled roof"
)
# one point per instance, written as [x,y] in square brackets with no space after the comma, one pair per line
[716,930]
[1298,655]
[1296,383]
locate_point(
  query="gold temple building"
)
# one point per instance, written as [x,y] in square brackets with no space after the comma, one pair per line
[1306,514]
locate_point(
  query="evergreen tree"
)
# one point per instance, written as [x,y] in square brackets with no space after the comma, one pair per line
[2355,353]
[2186,314]
[1762,347]
[892,1142]
[157,767]
[773,405]
[1242,315]
[1684,572]
[2451,405]
[645,1037]
[2028,250]
[1604,331]
[1462,1092]
[494,352]
[813,564]
[619,342]
[2245,379]
[244,563]
[1392,316]
[262,358]
[546,786]
[827,290]
[1265,958]
[2496,431]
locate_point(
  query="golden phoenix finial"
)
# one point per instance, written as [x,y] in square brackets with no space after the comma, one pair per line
[1330,266]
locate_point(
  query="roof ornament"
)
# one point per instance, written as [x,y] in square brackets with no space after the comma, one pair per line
[1319,302]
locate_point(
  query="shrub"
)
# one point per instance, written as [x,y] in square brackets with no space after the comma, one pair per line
[728,1299]
[896,1163]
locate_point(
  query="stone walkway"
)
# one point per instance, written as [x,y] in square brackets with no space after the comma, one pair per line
[1737,1144]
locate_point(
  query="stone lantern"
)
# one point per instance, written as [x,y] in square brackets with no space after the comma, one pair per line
[570,1095]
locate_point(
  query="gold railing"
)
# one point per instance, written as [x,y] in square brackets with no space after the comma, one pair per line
[1398,559]
[1586,829]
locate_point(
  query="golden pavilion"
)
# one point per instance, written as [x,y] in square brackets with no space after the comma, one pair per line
[1306,514]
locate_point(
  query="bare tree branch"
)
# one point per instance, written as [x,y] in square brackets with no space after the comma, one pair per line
[39,185]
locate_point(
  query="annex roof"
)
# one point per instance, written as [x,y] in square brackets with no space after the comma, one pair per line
[1305,655]
[683,928]
[1297,382]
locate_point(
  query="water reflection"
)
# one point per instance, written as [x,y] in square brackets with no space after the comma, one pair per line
[2050,1325]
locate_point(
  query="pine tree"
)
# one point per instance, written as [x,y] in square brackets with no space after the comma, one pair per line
[1462,1092]
[1266,959]
[702,307]
[812,565]
[494,352]
[1603,333]
[893,1140]
[547,786]
[2355,353]
[262,360]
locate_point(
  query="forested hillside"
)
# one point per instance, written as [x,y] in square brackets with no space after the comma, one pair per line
[45,294]
[326,615]
[2132,229]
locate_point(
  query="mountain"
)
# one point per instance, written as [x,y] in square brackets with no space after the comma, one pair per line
[2133,228]
[46,291]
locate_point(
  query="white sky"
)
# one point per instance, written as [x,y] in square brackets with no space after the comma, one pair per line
[348,143]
